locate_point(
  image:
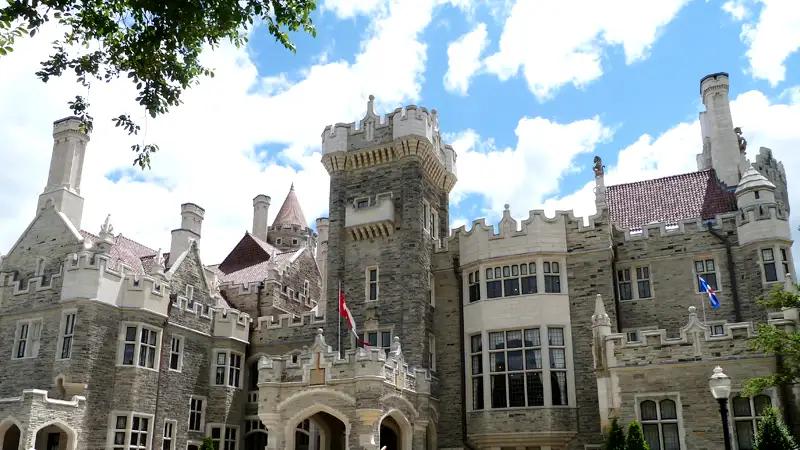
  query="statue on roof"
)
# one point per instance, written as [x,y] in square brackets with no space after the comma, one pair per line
[742,140]
[106,229]
[160,262]
[599,168]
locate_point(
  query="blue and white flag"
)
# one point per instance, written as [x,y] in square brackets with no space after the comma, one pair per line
[712,296]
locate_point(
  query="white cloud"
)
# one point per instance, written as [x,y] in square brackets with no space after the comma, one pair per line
[208,144]
[463,59]
[573,36]
[348,9]
[530,172]
[770,38]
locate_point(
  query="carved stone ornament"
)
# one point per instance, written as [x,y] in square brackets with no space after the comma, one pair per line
[599,168]
[742,140]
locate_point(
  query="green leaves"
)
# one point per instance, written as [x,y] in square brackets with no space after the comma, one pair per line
[772,433]
[157,43]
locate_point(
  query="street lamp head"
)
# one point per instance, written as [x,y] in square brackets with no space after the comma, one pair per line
[720,384]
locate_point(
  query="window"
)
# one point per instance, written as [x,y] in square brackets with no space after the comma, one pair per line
[434,226]
[228,368]
[511,280]
[278,241]
[26,339]
[294,241]
[130,432]
[558,366]
[747,413]
[140,346]
[377,339]
[474,286]
[785,261]
[476,349]
[705,268]
[768,263]
[660,424]
[552,277]
[196,413]
[758,195]
[432,352]
[431,289]
[372,284]
[190,296]
[717,329]
[625,285]
[515,367]
[169,435]
[66,333]
[226,441]
[362,203]
[306,286]
[176,353]
[426,210]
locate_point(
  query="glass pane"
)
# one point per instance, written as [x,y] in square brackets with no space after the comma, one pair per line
[555,336]
[514,270]
[532,268]
[499,391]
[672,440]
[515,360]
[477,344]
[651,435]
[535,389]
[533,359]
[523,269]
[745,435]
[761,402]
[516,390]
[496,341]
[648,410]
[497,362]
[489,274]
[513,339]
[668,410]
[532,338]
[506,271]
[741,407]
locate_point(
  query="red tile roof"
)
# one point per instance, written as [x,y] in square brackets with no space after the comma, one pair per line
[290,213]
[669,199]
[140,258]
[249,261]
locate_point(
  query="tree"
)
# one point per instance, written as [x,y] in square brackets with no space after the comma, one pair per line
[635,439]
[155,43]
[772,433]
[207,444]
[615,437]
[773,340]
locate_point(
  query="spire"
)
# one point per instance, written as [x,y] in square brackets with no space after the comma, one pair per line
[290,213]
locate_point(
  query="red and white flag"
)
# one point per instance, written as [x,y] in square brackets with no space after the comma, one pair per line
[344,311]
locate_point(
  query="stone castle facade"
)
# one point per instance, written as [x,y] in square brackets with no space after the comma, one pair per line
[529,335]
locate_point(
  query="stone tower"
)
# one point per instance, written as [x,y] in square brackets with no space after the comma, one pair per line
[390,183]
[289,230]
[721,149]
[63,188]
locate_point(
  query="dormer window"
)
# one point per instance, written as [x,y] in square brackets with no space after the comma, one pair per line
[278,241]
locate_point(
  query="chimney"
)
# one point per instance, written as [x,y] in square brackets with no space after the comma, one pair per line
[323,225]
[260,212]
[716,125]
[191,226]
[63,189]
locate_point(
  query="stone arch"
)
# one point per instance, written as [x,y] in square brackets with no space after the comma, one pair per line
[12,425]
[307,413]
[406,430]
[403,403]
[316,392]
[431,436]
[56,425]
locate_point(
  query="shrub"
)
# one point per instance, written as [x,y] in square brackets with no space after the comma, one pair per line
[772,433]
[208,444]
[635,439]
[615,437]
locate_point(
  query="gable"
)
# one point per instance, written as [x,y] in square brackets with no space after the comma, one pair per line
[248,252]
[50,235]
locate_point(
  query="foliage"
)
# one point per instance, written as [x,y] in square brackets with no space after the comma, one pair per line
[207,444]
[155,43]
[615,436]
[635,439]
[773,340]
[772,433]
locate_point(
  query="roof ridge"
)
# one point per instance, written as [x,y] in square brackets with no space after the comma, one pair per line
[652,180]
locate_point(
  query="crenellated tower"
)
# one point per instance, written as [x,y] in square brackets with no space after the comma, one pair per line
[774,171]
[389,200]
[722,149]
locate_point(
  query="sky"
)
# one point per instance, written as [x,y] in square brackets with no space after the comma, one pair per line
[527,92]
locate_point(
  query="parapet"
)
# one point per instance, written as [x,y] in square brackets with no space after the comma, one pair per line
[69,125]
[666,229]
[319,364]
[714,81]
[231,324]
[191,208]
[289,321]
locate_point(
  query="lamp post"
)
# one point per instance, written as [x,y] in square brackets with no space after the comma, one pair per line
[720,385]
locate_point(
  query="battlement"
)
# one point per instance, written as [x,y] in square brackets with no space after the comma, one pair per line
[695,342]
[289,321]
[725,221]
[232,324]
[319,364]
[35,284]
[767,162]
[69,126]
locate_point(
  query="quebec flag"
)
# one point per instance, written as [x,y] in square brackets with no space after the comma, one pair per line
[712,296]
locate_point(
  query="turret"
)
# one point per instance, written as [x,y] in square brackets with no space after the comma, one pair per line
[260,211]
[323,225]
[190,230]
[290,230]
[760,217]
[63,189]
[721,144]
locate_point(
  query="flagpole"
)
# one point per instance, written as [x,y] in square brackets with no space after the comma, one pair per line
[704,307]
[339,302]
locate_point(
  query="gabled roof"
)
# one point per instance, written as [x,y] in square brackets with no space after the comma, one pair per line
[140,258]
[695,195]
[290,213]
[249,251]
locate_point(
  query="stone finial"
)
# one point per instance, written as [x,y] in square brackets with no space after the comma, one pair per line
[319,339]
[599,168]
[106,229]
[600,317]
[160,262]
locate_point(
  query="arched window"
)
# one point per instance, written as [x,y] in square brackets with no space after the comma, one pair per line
[660,424]
[39,267]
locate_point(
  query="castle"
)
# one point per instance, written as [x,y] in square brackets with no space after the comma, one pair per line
[529,335]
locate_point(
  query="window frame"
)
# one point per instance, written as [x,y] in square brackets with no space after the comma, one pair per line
[33,338]
[474,286]
[478,401]
[753,418]
[229,369]
[547,273]
[202,423]
[431,352]
[717,285]
[190,296]
[128,430]
[638,332]
[172,438]
[138,345]
[219,444]
[368,283]
[179,353]
[634,281]
[659,422]
[379,334]
[432,289]
[65,333]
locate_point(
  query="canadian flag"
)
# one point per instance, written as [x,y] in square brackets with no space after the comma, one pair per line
[344,311]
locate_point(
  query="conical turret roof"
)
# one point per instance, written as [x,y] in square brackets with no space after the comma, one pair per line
[290,213]
[753,180]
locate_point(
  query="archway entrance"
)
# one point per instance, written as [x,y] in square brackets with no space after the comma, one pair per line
[9,437]
[53,437]
[321,431]
[390,434]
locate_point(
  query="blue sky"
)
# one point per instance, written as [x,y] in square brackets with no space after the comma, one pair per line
[528,92]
